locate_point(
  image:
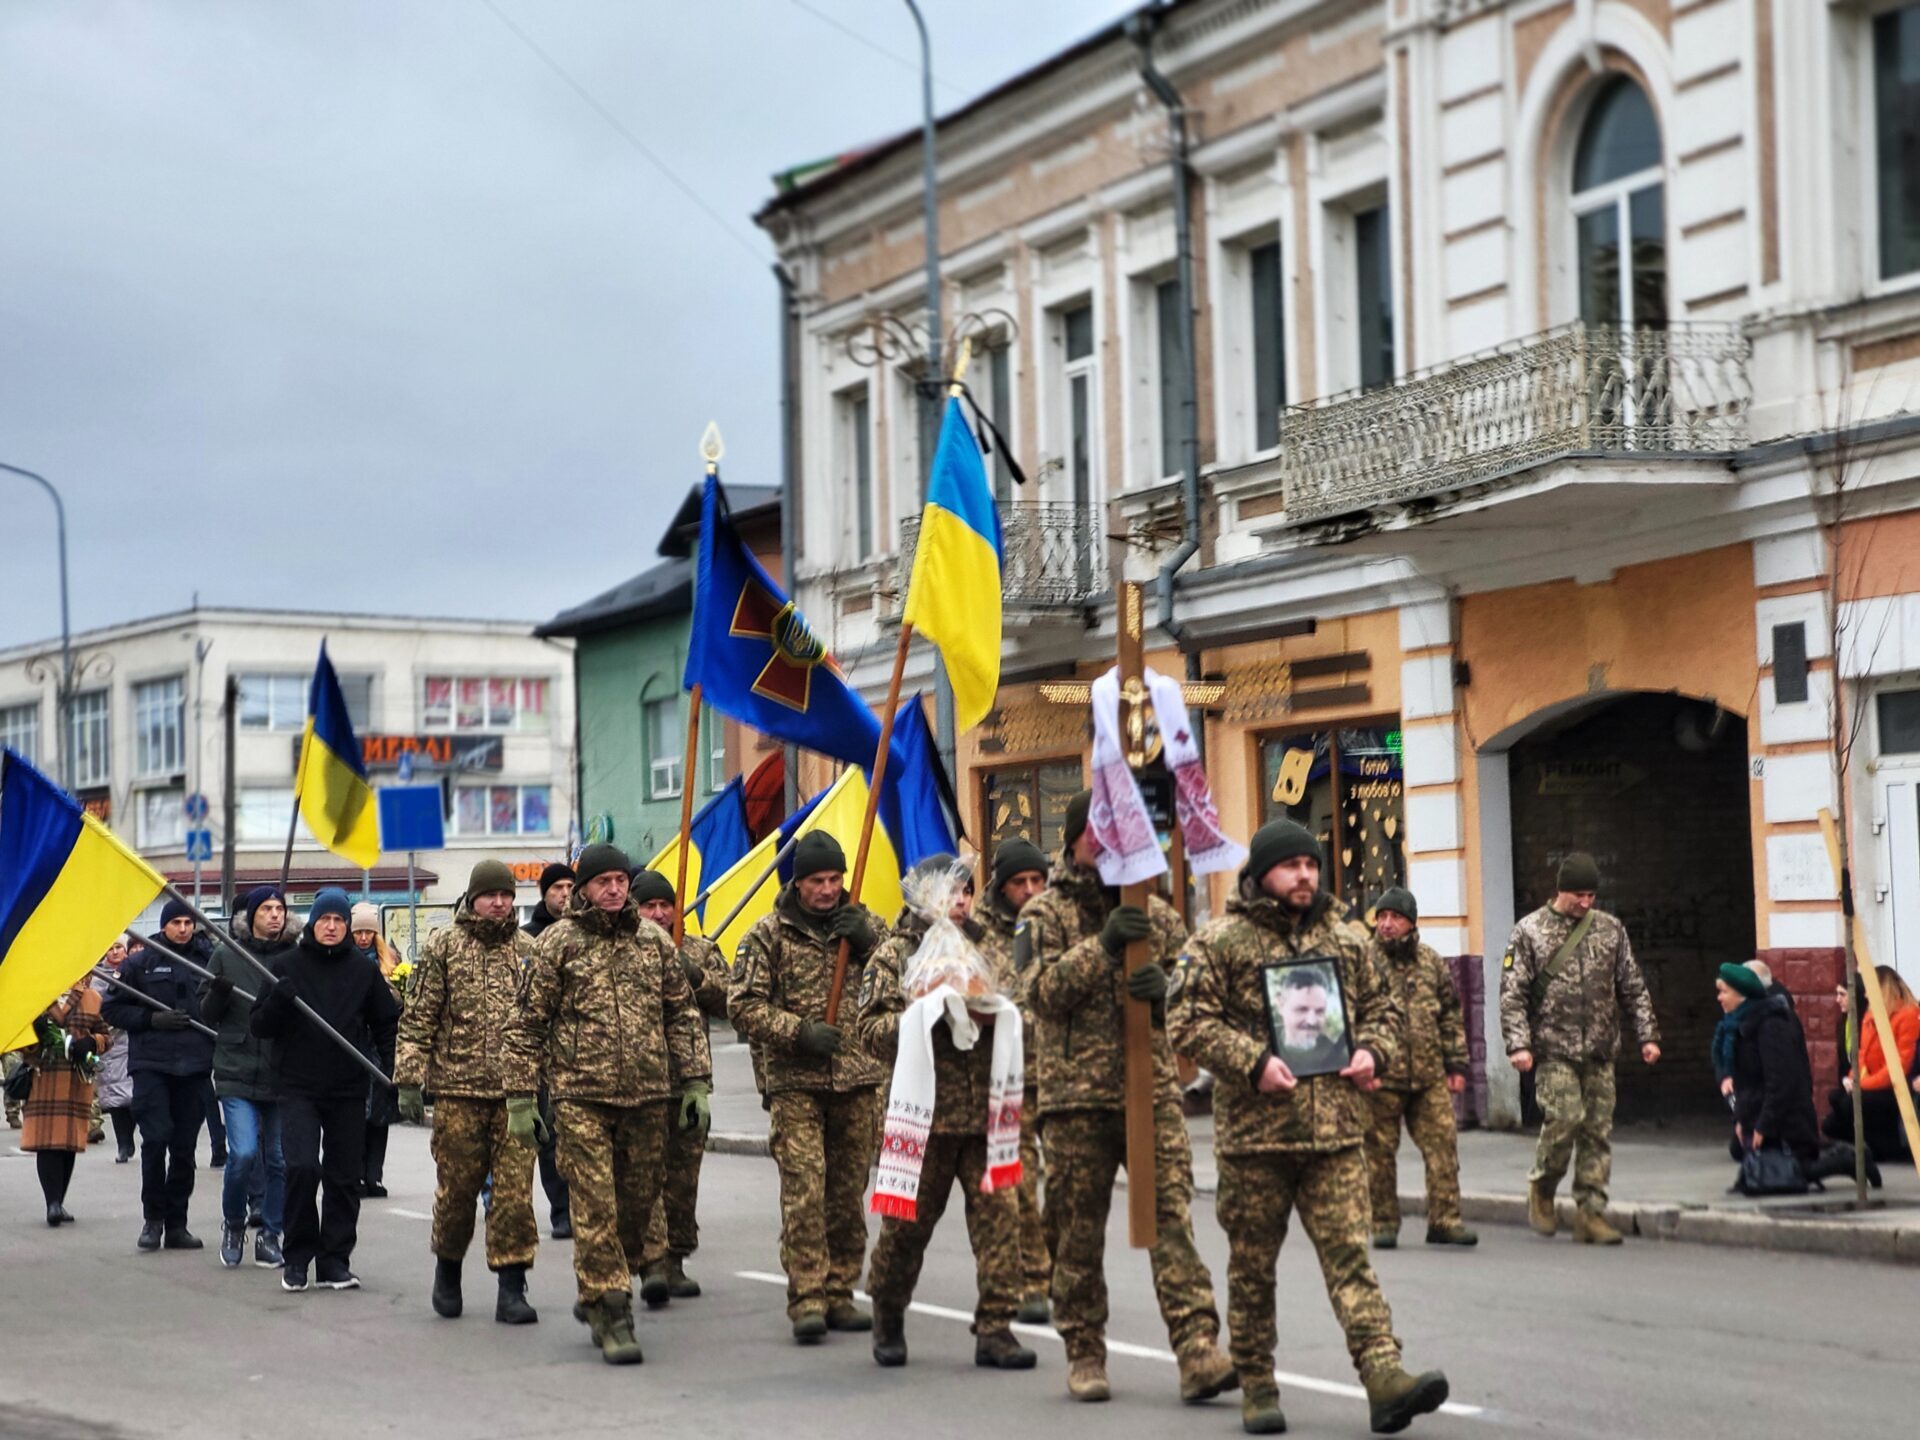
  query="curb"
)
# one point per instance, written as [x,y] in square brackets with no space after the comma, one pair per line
[1690,1224]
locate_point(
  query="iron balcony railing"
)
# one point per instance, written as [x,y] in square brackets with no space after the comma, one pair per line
[1053,557]
[1580,390]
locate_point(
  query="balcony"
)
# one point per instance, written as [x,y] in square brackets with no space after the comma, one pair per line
[1581,390]
[1054,560]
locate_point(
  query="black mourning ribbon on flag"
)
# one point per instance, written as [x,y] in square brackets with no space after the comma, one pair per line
[983,424]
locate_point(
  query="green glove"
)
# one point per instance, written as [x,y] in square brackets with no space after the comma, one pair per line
[696,1111]
[412,1101]
[819,1039]
[524,1123]
[1126,924]
[1149,982]
[850,924]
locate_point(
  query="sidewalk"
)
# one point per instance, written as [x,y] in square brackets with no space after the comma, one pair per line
[1667,1184]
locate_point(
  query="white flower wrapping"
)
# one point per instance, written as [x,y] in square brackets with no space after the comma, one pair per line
[945,956]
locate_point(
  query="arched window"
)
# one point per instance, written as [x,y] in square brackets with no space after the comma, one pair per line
[1620,210]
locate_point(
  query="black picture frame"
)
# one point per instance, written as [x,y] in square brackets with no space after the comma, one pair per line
[1300,976]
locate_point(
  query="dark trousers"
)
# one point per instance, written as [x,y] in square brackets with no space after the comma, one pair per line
[168,1109]
[216,1122]
[323,1142]
[373,1158]
[1885,1137]
[123,1131]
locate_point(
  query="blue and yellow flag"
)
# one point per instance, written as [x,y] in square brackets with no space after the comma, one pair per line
[335,799]
[67,888]
[953,597]
[755,657]
[716,840]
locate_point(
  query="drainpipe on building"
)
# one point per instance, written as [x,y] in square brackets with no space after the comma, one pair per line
[789,487]
[1140,29]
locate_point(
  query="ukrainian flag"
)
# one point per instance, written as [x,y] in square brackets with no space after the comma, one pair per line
[67,888]
[953,597]
[332,790]
[716,840]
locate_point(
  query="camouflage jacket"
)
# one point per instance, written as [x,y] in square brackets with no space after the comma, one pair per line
[997,944]
[961,1077]
[605,1013]
[1076,990]
[1221,1020]
[781,976]
[1432,1024]
[464,992]
[710,991]
[1578,1018]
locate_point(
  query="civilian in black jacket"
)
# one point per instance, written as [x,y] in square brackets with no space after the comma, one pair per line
[322,1088]
[169,1062]
[1772,1079]
[556,889]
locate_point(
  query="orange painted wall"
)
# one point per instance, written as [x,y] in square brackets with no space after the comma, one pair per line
[1880,557]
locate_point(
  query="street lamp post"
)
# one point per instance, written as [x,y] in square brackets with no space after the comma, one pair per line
[64,699]
[934,387]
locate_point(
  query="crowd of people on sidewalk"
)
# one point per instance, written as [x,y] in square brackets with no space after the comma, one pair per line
[578,1048]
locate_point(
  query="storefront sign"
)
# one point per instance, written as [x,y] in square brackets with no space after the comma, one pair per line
[1588,777]
[466,753]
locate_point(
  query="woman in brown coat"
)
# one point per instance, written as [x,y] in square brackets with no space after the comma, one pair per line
[60,1108]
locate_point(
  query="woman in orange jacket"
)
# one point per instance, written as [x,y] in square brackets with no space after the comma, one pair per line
[1875,1073]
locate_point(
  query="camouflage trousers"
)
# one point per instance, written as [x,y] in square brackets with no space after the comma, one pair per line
[1258,1195]
[675,1227]
[1428,1113]
[993,1229]
[8,1065]
[611,1158]
[1036,1224]
[1576,1099]
[1085,1151]
[470,1141]
[823,1143]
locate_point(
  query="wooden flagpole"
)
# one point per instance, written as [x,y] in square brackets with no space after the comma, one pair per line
[1142,1221]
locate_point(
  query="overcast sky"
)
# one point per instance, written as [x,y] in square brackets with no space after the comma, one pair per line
[355,304]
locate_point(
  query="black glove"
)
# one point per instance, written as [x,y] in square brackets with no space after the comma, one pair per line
[80,1048]
[1126,924]
[850,924]
[695,974]
[171,1020]
[817,1038]
[1148,982]
[219,991]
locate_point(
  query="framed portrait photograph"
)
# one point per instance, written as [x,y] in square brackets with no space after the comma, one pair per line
[1307,1014]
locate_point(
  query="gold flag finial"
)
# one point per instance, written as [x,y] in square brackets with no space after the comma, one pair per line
[960,364]
[712,447]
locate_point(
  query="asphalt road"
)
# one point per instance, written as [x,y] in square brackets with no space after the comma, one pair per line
[1546,1338]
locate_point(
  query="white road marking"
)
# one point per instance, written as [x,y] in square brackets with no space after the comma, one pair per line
[1138,1352]
[412,1214]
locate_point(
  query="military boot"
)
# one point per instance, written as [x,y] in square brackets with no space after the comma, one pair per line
[1035,1309]
[612,1319]
[845,1315]
[1386,1239]
[680,1285]
[1455,1234]
[1541,1214]
[655,1288]
[511,1307]
[810,1327]
[998,1350]
[446,1289]
[889,1335]
[1395,1398]
[1260,1412]
[1591,1228]
[1087,1380]
[1206,1372]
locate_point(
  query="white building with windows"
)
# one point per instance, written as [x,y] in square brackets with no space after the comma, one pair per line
[482,709]
[1558,370]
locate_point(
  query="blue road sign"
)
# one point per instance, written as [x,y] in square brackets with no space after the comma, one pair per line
[199,845]
[410,818]
[194,807]
[405,767]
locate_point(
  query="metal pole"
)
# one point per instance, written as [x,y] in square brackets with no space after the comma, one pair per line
[151,1003]
[63,701]
[413,913]
[934,390]
[229,797]
[200,649]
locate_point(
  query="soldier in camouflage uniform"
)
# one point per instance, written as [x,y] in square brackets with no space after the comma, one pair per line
[1019,874]
[465,989]
[1287,1143]
[956,1151]
[1074,937]
[1418,1086]
[1560,1017]
[821,1088]
[606,1017]
[674,1232]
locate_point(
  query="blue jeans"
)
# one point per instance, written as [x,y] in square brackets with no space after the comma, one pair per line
[253,1151]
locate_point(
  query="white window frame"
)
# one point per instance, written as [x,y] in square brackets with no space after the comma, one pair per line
[101,771]
[663,771]
[904,464]
[1057,405]
[18,722]
[1245,210]
[152,703]
[851,441]
[278,681]
[452,725]
[1351,172]
[166,802]
[485,790]
[715,730]
[261,813]
[1616,195]
[1867,175]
